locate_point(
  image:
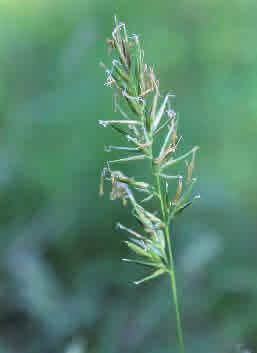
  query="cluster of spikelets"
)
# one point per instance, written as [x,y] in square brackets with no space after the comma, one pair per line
[149,128]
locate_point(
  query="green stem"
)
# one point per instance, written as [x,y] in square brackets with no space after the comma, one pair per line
[171,271]
[174,293]
[159,191]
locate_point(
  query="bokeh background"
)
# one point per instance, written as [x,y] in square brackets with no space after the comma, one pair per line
[63,287]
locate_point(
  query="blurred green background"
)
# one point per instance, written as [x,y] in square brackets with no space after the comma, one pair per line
[63,287]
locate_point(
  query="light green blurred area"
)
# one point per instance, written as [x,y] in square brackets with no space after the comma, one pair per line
[63,287]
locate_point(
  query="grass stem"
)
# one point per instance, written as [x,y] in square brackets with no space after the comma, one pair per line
[171,272]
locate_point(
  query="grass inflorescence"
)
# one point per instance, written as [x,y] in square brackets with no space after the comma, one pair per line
[149,128]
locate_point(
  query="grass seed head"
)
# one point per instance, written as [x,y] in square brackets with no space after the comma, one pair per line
[145,118]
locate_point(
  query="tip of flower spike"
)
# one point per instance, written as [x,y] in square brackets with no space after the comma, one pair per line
[107,148]
[108,72]
[171,113]
[103,123]
[102,65]
[115,62]
[119,226]
[134,37]
[118,26]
